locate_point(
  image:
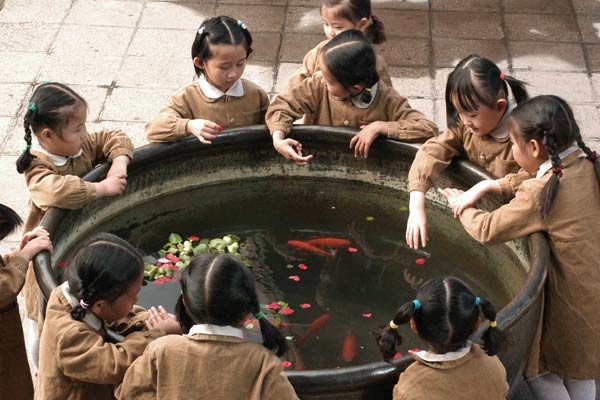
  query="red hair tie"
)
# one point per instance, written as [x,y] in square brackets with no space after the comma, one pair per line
[593,156]
[502,76]
[558,171]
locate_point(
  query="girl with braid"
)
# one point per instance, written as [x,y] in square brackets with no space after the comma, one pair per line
[444,314]
[346,93]
[58,152]
[104,277]
[563,201]
[213,360]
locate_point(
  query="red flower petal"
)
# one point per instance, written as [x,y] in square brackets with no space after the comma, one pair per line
[397,355]
[61,264]
[415,350]
[194,238]
[352,249]
[367,315]
[286,311]
[303,267]
[172,257]
[420,261]
[163,261]
[295,278]
[286,364]
[159,281]
[273,306]
[305,305]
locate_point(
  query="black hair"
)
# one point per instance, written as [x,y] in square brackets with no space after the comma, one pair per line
[350,58]
[218,289]
[9,221]
[354,11]
[102,269]
[45,110]
[219,30]
[477,80]
[447,316]
[550,121]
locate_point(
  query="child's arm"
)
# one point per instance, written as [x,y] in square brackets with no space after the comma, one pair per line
[276,384]
[470,198]
[405,123]
[108,145]
[511,183]
[140,379]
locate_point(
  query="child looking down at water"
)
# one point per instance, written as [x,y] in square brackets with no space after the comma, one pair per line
[219,98]
[213,361]
[444,314]
[346,93]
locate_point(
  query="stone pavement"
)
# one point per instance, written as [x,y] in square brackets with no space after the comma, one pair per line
[126,57]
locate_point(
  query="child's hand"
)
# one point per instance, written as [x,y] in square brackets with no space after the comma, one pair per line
[111,186]
[38,231]
[161,319]
[203,129]
[452,195]
[119,167]
[363,139]
[289,148]
[34,246]
[416,226]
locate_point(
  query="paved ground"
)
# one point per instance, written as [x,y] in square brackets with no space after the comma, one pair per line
[127,57]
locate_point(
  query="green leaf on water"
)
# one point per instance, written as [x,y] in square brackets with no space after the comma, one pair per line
[175,238]
[369,218]
[289,266]
[403,208]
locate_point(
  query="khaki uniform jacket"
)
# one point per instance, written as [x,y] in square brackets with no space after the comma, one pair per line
[75,361]
[312,97]
[570,335]
[211,367]
[493,155]
[191,103]
[474,376]
[15,378]
[53,186]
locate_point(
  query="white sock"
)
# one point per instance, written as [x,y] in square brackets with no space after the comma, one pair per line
[548,387]
[33,345]
[581,389]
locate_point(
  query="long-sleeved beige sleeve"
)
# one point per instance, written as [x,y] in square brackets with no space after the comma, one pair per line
[511,183]
[408,124]
[292,104]
[140,381]
[171,122]
[432,159]
[110,144]
[12,278]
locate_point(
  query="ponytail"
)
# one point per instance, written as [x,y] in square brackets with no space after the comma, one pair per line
[184,319]
[388,337]
[375,31]
[591,155]
[272,337]
[25,159]
[495,340]
[550,189]
[517,87]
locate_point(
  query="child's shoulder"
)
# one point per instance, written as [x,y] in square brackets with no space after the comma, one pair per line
[252,87]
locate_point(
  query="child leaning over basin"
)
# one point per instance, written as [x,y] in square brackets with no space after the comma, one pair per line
[212,360]
[59,151]
[219,98]
[346,92]
[444,315]
[479,98]
[104,277]
[14,369]
[563,201]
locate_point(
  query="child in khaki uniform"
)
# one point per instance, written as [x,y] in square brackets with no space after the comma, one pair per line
[346,92]
[212,361]
[14,369]
[444,314]
[562,200]
[479,98]
[219,98]
[104,278]
[54,160]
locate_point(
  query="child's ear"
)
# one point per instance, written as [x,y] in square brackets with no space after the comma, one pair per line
[45,135]
[363,23]
[538,150]
[501,105]
[198,63]
[98,306]
[413,326]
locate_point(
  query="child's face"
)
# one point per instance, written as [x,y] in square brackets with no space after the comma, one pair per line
[70,139]
[334,87]
[226,65]
[334,24]
[483,120]
[120,307]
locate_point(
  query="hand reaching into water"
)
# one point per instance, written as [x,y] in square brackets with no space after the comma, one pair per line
[161,319]
[289,148]
[416,226]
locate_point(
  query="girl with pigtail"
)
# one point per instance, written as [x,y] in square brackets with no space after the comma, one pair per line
[58,151]
[563,201]
[212,358]
[104,277]
[444,315]
[346,93]
[219,97]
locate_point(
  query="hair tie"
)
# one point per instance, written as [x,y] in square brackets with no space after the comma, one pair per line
[202,30]
[393,325]
[558,171]
[593,156]
[417,304]
[502,76]
[477,301]
[259,315]
[83,304]
[241,24]
[45,82]
[32,107]
[493,324]
[26,149]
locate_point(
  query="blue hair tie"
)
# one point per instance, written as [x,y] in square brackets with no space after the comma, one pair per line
[417,304]
[241,24]
[202,30]
[477,301]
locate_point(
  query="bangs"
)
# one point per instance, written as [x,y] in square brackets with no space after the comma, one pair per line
[463,93]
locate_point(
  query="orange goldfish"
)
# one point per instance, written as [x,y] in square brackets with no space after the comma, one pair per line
[349,348]
[329,242]
[316,325]
[310,248]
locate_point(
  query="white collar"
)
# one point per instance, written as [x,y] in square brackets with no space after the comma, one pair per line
[208,329]
[450,356]
[58,161]
[546,165]
[89,318]
[501,130]
[357,100]
[236,90]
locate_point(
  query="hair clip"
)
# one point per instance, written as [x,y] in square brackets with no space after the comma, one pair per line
[241,24]
[26,149]
[202,30]
[32,107]
[558,171]
[493,324]
[45,82]
[259,315]
[477,301]
[83,304]
[502,76]
[393,325]
[417,304]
